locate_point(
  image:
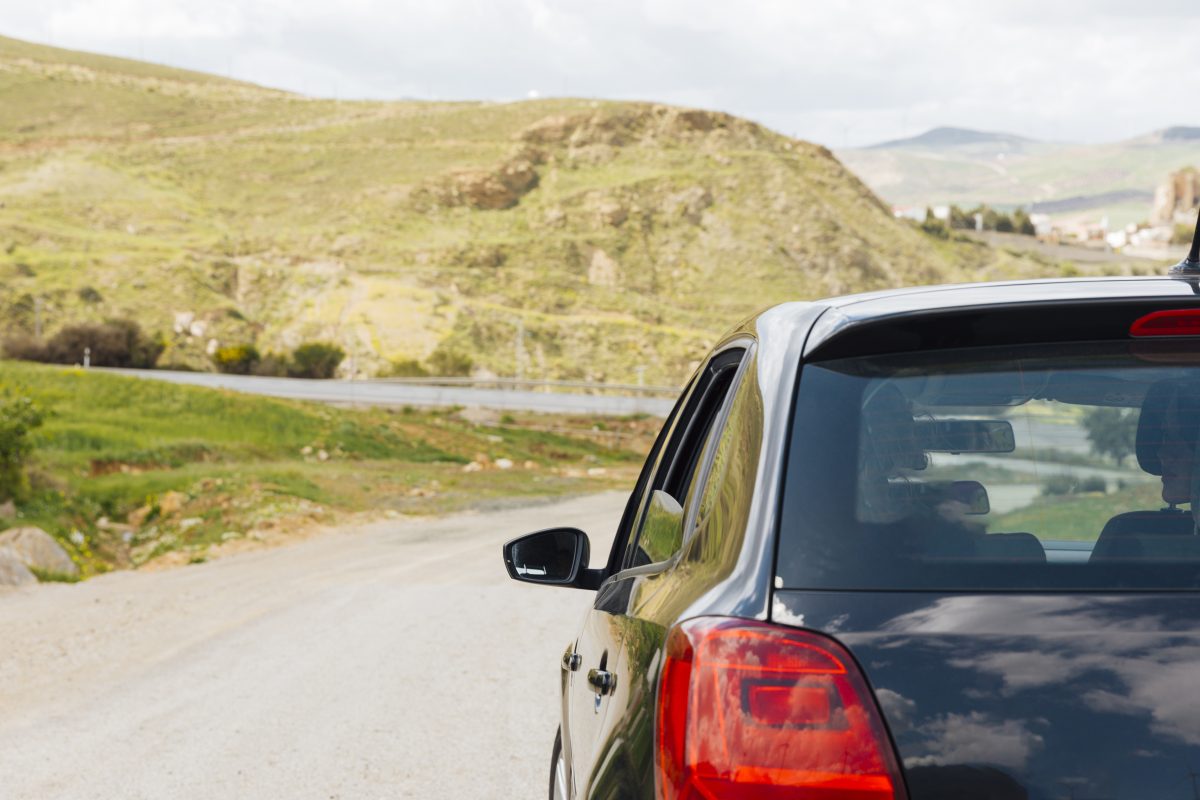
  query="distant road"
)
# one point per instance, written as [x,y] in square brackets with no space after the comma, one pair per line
[399,393]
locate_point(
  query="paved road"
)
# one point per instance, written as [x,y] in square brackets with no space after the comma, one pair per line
[394,660]
[390,393]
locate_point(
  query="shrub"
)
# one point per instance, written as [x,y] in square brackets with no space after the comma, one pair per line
[934,226]
[25,348]
[1022,223]
[236,359]
[405,368]
[1059,485]
[273,365]
[89,295]
[316,360]
[116,343]
[449,363]
[19,416]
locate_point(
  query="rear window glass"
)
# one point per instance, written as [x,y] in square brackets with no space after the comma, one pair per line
[1033,468]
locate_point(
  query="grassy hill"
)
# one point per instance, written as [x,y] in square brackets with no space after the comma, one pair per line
[612,235]
[1117,179]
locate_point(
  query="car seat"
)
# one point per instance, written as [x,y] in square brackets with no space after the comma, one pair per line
[1153,534]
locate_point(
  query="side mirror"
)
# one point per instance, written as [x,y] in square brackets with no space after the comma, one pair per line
[557,556]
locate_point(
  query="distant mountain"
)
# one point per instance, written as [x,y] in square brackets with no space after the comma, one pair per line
[952,165]
[1176,134]
[952,137]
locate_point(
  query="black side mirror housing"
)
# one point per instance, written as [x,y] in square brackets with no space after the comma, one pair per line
[555,557]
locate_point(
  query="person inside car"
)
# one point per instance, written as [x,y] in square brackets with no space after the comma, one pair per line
[1168,436]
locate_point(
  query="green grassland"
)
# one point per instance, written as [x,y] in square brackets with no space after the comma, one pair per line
[1079,516]
[197,468]
[615,235]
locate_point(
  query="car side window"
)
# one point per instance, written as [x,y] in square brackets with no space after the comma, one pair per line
[659,531]
[634,505]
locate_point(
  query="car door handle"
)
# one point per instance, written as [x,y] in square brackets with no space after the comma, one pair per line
[604,681]
[571,661]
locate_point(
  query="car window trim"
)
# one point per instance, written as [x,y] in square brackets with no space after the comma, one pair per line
[743,343]
[704,469]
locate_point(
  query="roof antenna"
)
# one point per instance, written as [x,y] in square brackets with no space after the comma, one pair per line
[1190,266]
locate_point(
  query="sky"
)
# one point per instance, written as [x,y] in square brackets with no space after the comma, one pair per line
[839,73]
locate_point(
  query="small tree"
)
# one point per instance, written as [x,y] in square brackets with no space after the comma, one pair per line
[1111,431]
[961,220]
[1022,223]
[934,226]
[19,416]
[236,359]
[316,360]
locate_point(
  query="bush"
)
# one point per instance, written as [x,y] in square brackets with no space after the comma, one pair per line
[1022,223]
[934,226]
[405,368]
[1059,485]
[19,416]
[25,348]
[273,365]
[89,295]
[449,363]
[116,343]
[236,359]
[316,360]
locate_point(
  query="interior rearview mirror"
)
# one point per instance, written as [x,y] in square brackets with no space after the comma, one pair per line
[557,556]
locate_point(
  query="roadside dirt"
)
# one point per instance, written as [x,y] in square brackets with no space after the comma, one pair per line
[389,660]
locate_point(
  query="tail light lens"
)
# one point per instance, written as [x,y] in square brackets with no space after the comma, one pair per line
[1173,322]
[749,711]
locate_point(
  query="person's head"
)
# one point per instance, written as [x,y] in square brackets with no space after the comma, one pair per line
[1169,433]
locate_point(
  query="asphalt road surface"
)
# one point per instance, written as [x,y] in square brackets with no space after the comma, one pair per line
[395,393]
[390,660]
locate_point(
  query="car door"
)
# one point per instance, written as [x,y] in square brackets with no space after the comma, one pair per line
[584,703]
[654,536]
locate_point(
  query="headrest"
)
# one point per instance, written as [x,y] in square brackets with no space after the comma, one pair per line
[1184,396]
[889,432]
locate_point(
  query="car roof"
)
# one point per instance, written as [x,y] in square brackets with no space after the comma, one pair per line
[859,322]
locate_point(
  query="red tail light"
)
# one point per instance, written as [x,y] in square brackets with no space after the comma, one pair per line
[1175,322]
[749,711]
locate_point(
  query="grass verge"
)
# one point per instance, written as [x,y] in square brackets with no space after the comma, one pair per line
[128,471]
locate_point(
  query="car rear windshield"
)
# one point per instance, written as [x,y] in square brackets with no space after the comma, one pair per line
[1065,467]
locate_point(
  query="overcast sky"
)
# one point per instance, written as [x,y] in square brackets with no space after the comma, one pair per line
[840,73]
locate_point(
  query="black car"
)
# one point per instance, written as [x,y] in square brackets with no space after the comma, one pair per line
[928,543]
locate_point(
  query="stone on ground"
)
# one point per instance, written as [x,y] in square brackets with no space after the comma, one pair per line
[13,571]
[38,550]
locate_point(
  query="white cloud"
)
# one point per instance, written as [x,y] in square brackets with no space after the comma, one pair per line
[840,72]
[976,739]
